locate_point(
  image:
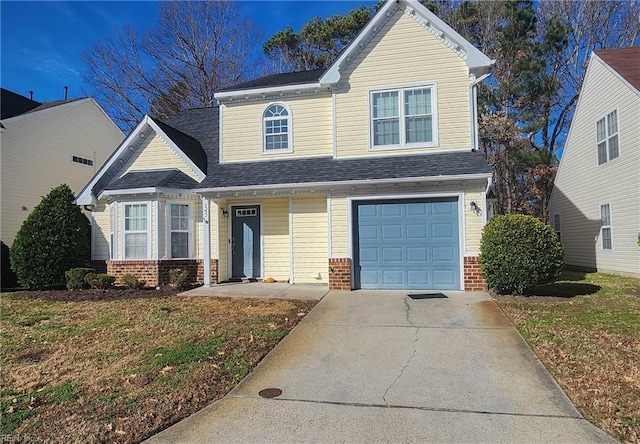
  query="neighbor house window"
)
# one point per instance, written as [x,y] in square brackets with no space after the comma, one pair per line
[403,117]
[605,227]
[607,137]
[277,129]
[136,231]
[556,225]
[179,230]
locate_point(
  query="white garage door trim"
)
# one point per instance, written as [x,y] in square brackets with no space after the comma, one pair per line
[461,221]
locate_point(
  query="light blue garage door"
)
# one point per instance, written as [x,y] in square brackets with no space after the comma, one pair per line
[407,244]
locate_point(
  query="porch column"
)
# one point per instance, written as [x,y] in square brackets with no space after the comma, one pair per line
[206,228]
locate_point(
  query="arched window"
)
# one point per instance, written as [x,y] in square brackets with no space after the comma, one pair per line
[277,129]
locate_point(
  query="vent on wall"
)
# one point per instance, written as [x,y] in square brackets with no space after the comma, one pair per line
[82,160]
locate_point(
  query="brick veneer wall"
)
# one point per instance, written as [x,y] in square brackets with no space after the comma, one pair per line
[340,273]
[473,280]
[157,272]
[99,266]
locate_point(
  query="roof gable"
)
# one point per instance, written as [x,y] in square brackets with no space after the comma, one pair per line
[183,146]
[476,61]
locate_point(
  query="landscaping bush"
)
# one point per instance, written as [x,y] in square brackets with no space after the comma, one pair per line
[76,278]
[8,278]
[132,282]
[179,278]
[54,238]
[518,252]
[100,281]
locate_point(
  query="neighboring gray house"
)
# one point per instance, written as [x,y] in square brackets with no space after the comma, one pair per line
[595,204]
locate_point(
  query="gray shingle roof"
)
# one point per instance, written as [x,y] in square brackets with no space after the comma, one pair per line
[327,169]
[189,146]
[150,179]
[13,104]
[287,78]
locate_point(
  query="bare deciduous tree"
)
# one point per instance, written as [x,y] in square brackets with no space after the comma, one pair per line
[194,50]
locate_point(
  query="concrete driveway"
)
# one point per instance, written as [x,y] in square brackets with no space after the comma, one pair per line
[378,366]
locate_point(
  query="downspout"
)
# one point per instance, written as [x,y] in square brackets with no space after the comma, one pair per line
[485,212]
[473,96]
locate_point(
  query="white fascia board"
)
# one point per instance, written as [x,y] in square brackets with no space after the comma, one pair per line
[457,177]
[201,174]
[476,60]
[85,197]
[267,90]
[148,190]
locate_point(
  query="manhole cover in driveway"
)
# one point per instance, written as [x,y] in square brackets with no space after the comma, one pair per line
[270,392]
[428,296]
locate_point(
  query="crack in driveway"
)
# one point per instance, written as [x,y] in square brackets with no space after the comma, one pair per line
[413,354]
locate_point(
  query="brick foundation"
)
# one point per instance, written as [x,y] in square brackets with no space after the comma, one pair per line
[473,280]
[156,272]
[340,273]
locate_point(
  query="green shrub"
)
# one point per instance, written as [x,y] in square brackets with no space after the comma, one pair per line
[8,278]
[132,282]
[100,281]
[179,278]
[76,278]
[54,238]
[518,252]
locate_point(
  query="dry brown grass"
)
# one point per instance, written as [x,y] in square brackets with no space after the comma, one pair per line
[591,344]
[121,370]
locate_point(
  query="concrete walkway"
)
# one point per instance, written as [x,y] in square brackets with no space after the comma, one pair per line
[276,290]
[378,366]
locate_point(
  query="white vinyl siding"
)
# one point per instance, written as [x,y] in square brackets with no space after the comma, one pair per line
[136,219]
[607,138]
[605,227]
[179,230]
[582,185]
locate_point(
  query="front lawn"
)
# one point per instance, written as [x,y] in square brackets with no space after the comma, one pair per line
[586,330]
[123,369]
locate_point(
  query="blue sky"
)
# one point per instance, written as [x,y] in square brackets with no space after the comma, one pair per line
[42,41]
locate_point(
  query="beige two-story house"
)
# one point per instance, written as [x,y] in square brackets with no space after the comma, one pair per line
[363,175]
[595,203]
[45,144]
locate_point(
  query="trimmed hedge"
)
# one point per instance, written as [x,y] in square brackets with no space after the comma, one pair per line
[518,252]
[76,278]
[54,238]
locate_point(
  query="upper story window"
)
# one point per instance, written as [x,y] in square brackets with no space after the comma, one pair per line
[179,230]
[277,129]
[403,118]
[607,137]
[605,227]
[136,231]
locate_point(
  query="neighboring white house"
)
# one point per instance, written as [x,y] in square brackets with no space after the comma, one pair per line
[44,145]
[595,204]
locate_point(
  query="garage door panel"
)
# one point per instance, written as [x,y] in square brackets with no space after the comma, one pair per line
[392,254]
[392,232]
[407,244]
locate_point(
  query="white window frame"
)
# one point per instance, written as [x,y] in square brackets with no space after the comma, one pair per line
[402,117]
[125,232]
[189,230]
[289,133]
[603,227]
[607,137]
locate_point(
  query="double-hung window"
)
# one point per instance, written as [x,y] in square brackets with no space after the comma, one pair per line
[605,227]
[607,137]
[403,118]
[276,129]
[179,230]
[136,231]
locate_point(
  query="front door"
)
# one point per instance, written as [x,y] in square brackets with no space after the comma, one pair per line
[245,242]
